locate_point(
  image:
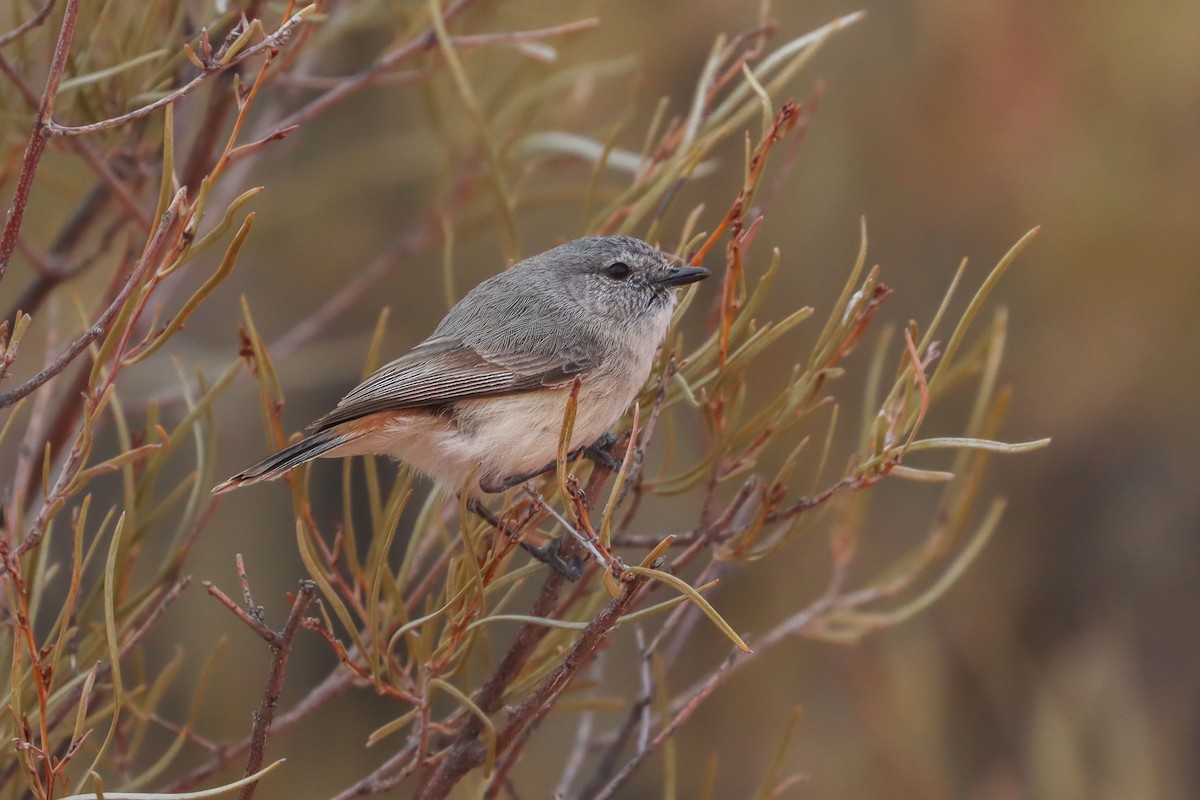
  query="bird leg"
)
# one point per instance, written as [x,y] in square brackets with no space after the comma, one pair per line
[599,452]
[548,554]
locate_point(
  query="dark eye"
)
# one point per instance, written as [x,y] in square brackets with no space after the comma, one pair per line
[618,271]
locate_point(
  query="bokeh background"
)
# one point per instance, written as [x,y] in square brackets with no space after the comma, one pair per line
[1066,663]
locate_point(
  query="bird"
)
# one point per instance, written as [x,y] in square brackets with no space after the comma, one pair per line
[479,405]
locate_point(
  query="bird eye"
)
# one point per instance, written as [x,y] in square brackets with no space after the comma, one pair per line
[618,271]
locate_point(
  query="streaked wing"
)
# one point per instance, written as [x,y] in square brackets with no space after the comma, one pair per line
[444,369]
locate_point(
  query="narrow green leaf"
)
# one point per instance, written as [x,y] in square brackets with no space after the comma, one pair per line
[695,597]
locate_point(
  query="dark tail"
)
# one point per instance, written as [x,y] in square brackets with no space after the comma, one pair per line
[276,464]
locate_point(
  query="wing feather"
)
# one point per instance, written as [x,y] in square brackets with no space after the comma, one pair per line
[445,369]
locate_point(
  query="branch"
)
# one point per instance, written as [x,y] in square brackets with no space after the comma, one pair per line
[150,257]
[37,19]
[381,780]
[689,707]
[212,121]
[37,140]
[53,267]
[467,752]
[270,42]
[354,84]
[68,704]
[331,687]
[282,648]
[119,190]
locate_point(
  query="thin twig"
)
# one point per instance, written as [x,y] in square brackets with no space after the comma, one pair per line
[166,232]
[37,19]
[467,752]
[345,88]
[583,740]
[281,648]
[333,685]
[37,139]
[249,618]
[384,777]
[202,155]
[688,708]
[270,42]
[584,541]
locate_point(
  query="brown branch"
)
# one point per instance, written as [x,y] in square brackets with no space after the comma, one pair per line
[53,269]
[490,696]
[689,707]
[685,617]
[384,777]
[251,616]
[37,139]
[467,752]
[336,682]
[682,621]
[202,155]
[81,149]
[67,704]
[150,258]
[281,647]
[795,625]
[270,42]
[427,40]
[528,637]
[37,19]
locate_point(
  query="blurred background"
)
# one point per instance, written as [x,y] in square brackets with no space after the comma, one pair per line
[1066,663]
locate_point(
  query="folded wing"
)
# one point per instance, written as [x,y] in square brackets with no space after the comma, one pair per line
[444,369]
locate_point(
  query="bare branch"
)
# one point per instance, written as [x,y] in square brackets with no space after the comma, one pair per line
[345,88]
[37,139]
[271,42]
[334,684]
[25,27]
[688,708]
[281,647]
[151,257]
[467,752]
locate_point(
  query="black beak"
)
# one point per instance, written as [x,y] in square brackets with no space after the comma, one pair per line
[682,276]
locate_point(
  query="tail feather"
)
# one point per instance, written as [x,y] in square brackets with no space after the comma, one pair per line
[288,458]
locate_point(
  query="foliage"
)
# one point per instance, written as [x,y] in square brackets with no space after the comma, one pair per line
[415,610]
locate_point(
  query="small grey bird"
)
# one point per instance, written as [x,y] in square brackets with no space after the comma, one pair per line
[485,394]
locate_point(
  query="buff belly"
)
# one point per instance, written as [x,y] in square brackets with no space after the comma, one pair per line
[495,438]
